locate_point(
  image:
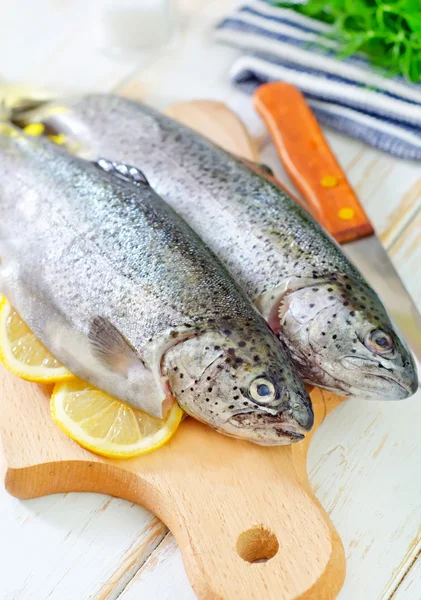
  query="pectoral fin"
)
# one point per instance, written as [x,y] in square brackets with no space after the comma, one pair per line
[110,347]
[145,390]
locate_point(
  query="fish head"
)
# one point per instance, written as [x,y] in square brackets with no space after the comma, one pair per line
[242,386]
[343,328]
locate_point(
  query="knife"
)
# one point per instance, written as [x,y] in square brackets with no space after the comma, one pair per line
[313,168]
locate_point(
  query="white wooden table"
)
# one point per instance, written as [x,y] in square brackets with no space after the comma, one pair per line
[364,461]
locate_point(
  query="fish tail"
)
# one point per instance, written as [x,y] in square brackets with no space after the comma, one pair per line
[53,119]
[17,98]
[37,114]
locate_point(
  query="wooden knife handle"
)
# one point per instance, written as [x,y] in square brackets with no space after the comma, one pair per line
[310,161]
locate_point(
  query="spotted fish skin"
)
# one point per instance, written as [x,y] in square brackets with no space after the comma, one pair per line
[118,288]
[297,276]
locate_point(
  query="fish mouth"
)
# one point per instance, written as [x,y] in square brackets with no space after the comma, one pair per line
[265,429]
[383,385]
[395,391]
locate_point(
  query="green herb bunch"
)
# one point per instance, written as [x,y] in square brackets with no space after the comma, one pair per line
[387,32]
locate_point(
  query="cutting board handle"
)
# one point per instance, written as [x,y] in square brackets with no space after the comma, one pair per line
[247,524]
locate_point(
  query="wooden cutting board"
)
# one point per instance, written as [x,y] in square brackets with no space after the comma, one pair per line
[245,517]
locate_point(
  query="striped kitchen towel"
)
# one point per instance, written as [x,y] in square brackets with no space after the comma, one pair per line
[347,94]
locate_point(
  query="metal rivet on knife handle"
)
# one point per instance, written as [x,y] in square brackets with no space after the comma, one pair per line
[346,213]
[310,162]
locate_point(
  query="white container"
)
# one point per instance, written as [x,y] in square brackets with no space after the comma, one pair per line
[127,25]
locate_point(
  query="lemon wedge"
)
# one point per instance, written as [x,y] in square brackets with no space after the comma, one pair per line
[22,353]
[94,420]
[107,426]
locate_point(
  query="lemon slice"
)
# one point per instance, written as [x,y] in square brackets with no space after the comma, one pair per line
[107,426]
[22,353]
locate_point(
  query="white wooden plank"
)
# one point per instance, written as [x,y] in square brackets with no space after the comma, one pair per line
[70,546]
[362,464]
[406,254]
[409,587]
[162,576]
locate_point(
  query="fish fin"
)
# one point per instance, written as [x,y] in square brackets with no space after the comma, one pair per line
[106,360]
[122,171]
[19,108]
[60,125]
[110,347]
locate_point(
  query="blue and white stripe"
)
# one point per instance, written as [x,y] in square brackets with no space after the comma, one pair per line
[348,94]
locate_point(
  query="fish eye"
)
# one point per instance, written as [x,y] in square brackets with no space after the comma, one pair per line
[379,342]
[262,391]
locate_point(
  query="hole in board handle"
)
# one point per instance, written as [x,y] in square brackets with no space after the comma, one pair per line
[257,544]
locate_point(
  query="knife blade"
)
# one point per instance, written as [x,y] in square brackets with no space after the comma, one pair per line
[313,168]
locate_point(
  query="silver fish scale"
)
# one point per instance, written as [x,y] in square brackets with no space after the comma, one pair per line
[232,200]
[133,261]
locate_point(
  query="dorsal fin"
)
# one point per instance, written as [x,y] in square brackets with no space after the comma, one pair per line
[122,171]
